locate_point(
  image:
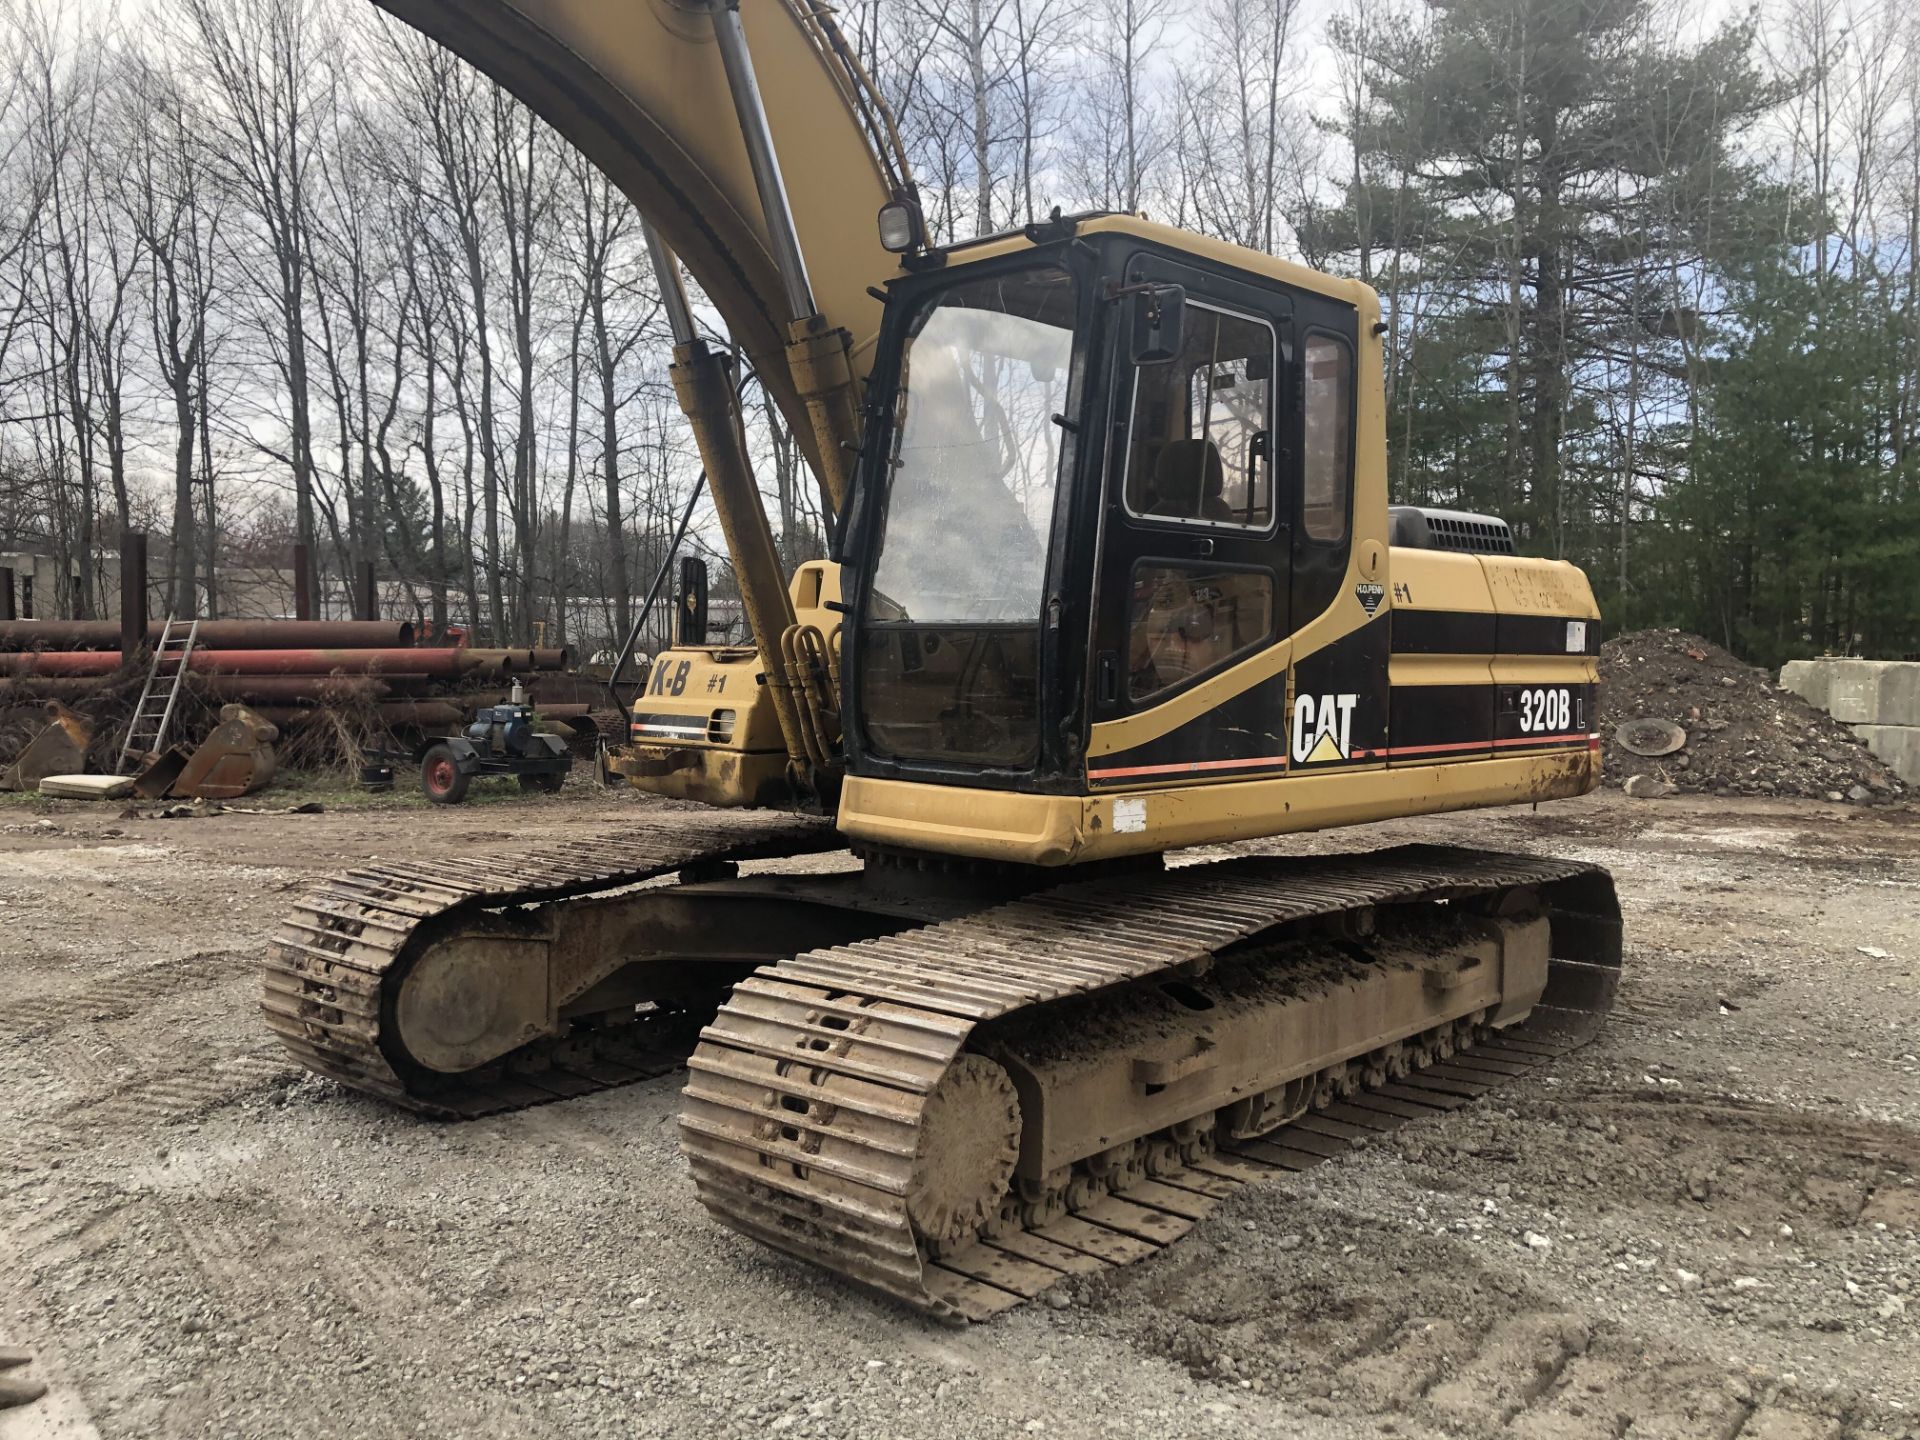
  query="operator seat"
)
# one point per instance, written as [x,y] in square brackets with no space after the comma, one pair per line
[1189,481]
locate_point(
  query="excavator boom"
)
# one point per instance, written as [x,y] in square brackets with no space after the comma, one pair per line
[641,89]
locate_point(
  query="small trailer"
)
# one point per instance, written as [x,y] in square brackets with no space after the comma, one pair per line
[500,740]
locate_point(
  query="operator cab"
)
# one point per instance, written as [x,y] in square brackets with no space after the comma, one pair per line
[1099,471]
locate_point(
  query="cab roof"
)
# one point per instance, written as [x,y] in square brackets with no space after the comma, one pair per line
[1287,272]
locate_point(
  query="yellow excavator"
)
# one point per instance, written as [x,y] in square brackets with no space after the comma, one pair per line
[1113,574]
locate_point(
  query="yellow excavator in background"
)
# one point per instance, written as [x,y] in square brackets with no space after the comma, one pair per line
[1113,573]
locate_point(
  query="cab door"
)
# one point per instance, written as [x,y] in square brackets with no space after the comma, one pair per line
[1194,571]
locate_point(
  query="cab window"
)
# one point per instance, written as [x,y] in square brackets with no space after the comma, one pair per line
[1188,619]
[1328,456]
[1199,448]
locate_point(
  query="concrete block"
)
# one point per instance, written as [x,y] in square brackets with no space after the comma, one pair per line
[1858,692]
[1900,694]
[1853,693]
[1874,692]
[1809,679]
[1898,747]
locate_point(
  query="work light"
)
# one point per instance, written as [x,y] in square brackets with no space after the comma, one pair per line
[899,226]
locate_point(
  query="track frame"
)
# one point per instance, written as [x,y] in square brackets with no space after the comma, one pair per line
[806,1095]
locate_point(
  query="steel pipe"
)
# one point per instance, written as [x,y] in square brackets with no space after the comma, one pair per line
[283,662]
[66,635]
[415,714]
[38,663]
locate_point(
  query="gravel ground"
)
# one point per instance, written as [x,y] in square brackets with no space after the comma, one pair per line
[1705,1224]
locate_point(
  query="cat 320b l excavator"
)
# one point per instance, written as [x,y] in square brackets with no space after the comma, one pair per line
[1113,574]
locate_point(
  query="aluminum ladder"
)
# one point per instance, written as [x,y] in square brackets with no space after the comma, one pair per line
[147,731]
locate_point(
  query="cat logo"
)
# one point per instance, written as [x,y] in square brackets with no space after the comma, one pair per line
[1323,728]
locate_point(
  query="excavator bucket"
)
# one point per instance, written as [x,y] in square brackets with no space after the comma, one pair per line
[235,760]
[156,777]
[59,749]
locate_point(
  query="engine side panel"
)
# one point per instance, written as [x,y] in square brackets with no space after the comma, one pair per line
[1472,684]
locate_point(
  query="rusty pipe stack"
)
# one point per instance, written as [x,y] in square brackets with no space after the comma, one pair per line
[439,664]
[69,635]
[288,666]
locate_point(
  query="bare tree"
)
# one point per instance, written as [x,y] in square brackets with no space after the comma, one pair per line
[265,63]
[523,182]
[64,83]
[1119,137]
[175,215]
[606,225]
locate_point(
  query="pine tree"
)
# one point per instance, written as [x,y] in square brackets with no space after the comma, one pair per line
[1539,188]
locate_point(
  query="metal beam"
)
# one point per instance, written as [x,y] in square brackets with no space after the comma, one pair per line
[133,593]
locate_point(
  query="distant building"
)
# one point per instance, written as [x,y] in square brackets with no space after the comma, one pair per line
[40,590]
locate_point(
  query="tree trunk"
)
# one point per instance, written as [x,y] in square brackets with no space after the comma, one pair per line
[185,599]
[620,574]
[976,46]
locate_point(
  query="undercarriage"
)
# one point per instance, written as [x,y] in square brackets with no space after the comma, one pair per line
[952,1083]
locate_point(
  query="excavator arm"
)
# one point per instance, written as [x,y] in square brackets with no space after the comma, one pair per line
[641,89]
[760,155]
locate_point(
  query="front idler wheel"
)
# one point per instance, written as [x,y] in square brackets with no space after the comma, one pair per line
[969,1143]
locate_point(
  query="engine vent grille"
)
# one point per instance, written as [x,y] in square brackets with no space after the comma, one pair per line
[1422,529]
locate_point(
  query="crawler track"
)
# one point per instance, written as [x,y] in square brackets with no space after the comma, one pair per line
[330,972]
[806,1097]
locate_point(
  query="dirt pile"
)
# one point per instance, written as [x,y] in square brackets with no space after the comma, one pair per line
[1744,735]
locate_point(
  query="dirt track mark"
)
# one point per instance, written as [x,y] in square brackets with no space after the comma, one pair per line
[126,991]
[1480,1363]
[184,1092]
